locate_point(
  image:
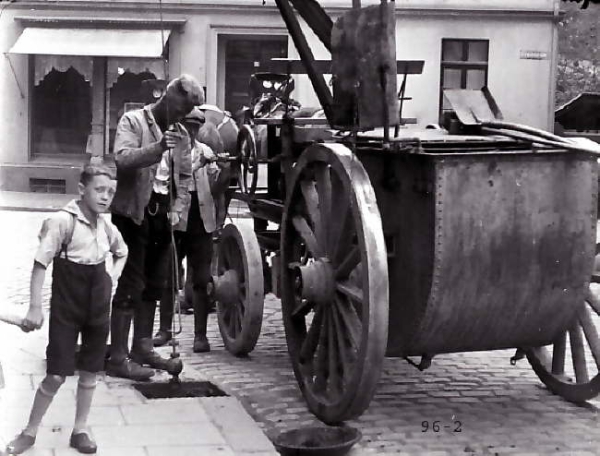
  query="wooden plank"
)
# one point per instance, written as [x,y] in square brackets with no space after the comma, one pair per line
[295,66]
[294,120]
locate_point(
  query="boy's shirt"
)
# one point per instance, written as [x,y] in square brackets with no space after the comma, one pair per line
[87,245]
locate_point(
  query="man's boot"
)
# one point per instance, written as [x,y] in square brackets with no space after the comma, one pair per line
[164,333]
[119,364]
[201,308]
[166,311]
[142,351]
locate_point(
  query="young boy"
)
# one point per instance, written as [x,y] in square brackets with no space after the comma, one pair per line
[77,241]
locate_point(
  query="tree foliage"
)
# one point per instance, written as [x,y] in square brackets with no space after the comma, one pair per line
[578,52]
[585,4]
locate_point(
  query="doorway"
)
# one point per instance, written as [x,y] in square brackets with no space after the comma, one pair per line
[244,56]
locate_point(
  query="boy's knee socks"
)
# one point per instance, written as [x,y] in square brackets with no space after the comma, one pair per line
[86,384]
[51,384]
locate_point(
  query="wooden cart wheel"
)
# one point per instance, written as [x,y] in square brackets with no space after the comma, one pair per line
[238,289]
[335,298]
[248,168]
[579,380]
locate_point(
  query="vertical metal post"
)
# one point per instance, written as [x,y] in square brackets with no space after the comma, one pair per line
[355,4]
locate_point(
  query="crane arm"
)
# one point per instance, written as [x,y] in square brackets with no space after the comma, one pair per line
[316,18]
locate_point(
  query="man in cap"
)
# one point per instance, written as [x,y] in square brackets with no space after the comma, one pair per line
[154,173]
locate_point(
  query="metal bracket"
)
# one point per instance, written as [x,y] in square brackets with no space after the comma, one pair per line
[15,75]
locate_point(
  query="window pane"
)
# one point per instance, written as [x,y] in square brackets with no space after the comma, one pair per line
[451,79]
[124,95]
[452,50]
[62,113]
[478,51]
[475,79]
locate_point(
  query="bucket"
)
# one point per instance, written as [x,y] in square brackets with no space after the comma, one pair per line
[317,441]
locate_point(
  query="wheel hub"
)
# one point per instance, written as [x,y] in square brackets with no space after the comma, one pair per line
[226,287]
[315,281]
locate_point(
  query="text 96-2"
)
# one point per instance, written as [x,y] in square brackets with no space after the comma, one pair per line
[439,426]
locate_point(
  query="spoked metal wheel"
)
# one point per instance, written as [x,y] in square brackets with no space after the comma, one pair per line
[334,280]
[571,366]
[248,167]
[238,289]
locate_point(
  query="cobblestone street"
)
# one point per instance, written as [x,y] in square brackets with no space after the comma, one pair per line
[482,404]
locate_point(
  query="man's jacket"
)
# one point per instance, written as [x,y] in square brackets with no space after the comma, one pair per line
[137,155]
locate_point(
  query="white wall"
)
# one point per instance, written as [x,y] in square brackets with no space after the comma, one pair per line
[14,94]
[522,88]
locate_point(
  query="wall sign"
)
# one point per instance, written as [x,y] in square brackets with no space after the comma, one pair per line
[533,55]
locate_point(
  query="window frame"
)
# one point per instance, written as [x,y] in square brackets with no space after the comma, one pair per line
[462,65]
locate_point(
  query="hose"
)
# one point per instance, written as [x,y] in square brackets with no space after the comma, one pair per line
[540,140]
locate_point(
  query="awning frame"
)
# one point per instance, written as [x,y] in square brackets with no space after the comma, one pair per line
[110,22]
[92,41]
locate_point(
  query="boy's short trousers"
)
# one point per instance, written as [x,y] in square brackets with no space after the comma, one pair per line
[60,352]
[79,304]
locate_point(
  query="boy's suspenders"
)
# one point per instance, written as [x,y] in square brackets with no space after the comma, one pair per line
[67,240]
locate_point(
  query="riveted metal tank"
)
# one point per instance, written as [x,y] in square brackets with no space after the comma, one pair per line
[490,245]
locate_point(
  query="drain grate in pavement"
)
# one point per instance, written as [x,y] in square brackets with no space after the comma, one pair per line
[182,389]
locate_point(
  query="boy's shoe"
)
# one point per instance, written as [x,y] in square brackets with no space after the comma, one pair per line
[20,443]
[83,443]
[129,369]
[201,344]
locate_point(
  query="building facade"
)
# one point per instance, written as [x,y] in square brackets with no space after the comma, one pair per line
[71,68]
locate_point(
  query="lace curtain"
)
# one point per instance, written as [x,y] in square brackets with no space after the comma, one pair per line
[44,64]
[118,66]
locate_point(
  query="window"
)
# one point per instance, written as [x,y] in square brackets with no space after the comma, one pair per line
[77,101]
[62,113]
[124,95]
[47,185]
[464,66]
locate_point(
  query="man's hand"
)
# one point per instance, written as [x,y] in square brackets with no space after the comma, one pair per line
[33,320]
[172,139]
[174,218]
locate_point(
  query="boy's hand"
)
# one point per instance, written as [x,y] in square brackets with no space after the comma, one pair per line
[174,218]
[33,320]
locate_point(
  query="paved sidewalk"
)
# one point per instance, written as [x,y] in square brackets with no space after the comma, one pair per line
[122,420]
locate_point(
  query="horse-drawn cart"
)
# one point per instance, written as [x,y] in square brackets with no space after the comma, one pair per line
[383,240]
